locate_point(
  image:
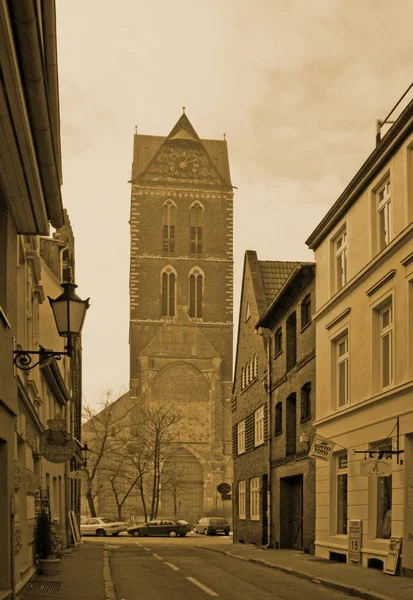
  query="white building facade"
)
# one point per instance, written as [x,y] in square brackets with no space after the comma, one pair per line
[364,349]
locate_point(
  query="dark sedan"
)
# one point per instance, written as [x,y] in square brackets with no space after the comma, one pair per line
[211,525]
[156,527]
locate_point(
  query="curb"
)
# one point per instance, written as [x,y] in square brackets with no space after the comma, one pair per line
[107,578]
[351,590]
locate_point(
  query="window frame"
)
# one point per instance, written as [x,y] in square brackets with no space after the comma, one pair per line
[278,341]
[278,421]
[241,437]
[196,293]
[196,229]
[384,208]
[340,257]
[341,472]
[305,400]
[169,211]
[168,297]
[386,332]
[259,426]
[340,360]
[306,312]
[242,499]
[255,498]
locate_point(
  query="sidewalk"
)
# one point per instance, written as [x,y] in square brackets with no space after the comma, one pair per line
[370,584]
[81,577]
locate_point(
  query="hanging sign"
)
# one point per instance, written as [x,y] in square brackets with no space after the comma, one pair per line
[56,444]
[376,467]
[393,554]
[321,447]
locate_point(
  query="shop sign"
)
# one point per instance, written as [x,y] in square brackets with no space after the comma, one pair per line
[354,541]
[393,554]
[376,467]
[56,444]
[321,447]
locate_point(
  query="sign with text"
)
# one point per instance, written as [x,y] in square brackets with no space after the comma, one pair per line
[393,554]
[321,447]
[376,467]
[355,540]
[224,488]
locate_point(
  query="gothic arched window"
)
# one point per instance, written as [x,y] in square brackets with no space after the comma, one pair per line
[168,227]
[197,228]
[196,292]
[168,291]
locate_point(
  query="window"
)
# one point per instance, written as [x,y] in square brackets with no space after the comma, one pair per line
[341,351]
[340,260]
[242,378]
[341,492]
[306,311]
[291,341]
[196,228]
[242,500]
[384,493]
[291,425]
[255,366]
[196,291]
[241,437]
[384,213]
[306,402]
[255,499]
[168,292]
[278,418]
[386,346]
[168,227]
[259,426]
[278,338]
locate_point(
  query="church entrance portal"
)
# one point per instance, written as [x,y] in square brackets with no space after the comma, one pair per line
[182,484]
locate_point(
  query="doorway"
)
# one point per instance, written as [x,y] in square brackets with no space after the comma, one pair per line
[291,512]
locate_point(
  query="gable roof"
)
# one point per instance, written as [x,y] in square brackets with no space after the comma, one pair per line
[145,148]
[268,278]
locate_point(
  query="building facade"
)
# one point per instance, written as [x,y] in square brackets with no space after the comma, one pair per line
[270,471]
[364,346]
[30,200]
[181,297]
[287,324]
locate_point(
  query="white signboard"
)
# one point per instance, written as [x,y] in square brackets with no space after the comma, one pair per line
[376,467]
[321,447]
[354,541]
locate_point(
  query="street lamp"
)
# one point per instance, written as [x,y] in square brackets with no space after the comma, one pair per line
[69,312]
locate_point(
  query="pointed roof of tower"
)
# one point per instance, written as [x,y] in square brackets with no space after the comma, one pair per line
[183,130]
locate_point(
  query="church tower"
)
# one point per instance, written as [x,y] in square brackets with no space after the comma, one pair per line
[181,306]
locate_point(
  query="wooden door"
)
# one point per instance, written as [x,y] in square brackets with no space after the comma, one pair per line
[297,512]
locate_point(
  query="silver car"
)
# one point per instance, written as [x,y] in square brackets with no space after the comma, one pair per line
[101,526]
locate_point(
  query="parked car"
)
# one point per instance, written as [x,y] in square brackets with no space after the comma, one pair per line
[101,526]
[171,527]
[212,525]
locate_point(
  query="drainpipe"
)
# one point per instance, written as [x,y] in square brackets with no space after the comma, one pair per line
[266,333]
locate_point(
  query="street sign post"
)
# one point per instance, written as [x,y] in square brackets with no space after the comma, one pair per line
[224,488]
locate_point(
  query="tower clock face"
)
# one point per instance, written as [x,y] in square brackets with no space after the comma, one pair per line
[184,164]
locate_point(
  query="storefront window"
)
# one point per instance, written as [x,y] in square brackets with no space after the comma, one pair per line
[342,493]
[384,493]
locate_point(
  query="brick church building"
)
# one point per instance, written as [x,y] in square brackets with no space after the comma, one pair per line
[181,304]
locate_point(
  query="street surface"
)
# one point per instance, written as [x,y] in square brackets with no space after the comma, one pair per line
[165,569]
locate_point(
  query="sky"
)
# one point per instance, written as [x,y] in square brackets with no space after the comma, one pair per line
[296,86]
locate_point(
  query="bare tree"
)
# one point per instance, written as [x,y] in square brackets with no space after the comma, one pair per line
[101,430]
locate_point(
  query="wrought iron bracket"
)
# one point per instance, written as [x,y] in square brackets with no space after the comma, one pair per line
[23,358]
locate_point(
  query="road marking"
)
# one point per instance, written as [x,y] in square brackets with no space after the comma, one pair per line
[172,566]
[202,586]
[147,549]
[157,556]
